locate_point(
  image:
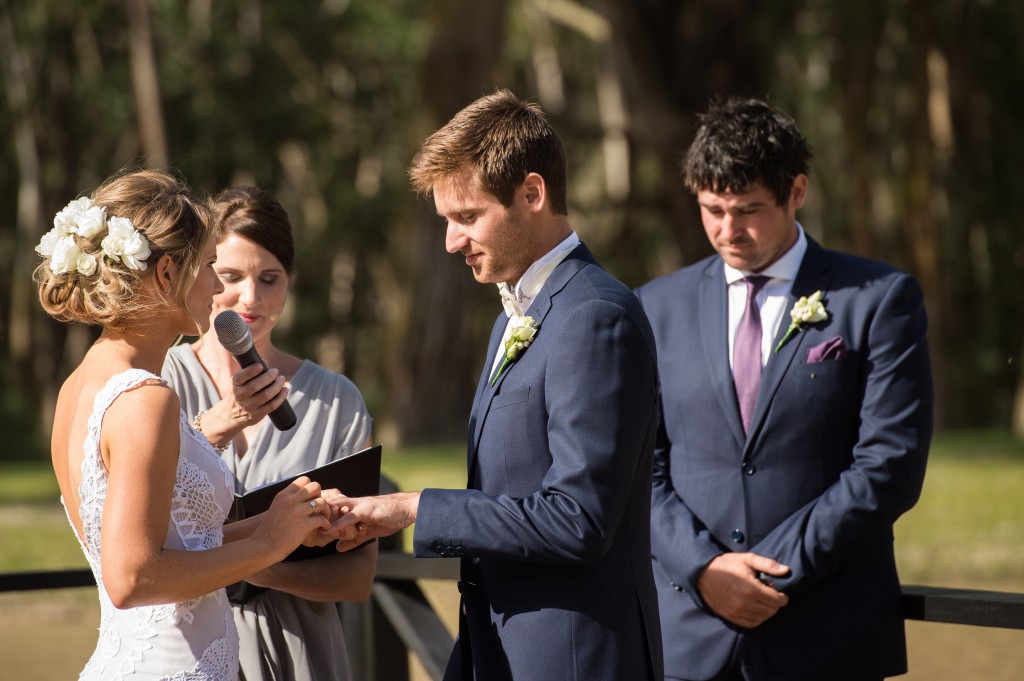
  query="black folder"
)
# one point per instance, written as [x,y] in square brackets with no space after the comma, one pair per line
[356,475]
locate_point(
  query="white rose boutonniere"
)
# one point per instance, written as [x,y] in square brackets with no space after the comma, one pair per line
[524,328]
[807,310]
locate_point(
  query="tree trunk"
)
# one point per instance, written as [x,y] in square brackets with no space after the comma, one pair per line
[442,344]
[921,240]
[859,30]
[1017,420]
[673,58]
[146,85]
[26,337]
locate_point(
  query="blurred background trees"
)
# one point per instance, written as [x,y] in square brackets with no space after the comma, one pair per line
[912,107]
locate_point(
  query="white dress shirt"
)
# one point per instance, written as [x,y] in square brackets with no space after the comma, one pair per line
[516,300]
[771,299]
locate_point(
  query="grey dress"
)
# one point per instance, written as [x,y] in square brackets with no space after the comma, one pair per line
[283,637]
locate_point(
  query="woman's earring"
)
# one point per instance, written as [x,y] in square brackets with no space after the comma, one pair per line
[170,290]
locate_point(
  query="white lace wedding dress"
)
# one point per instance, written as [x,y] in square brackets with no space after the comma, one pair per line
[192,640]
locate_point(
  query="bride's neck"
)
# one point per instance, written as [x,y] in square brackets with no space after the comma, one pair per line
[137,348]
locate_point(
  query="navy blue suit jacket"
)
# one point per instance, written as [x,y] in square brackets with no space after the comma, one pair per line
[835,453]
[554,530]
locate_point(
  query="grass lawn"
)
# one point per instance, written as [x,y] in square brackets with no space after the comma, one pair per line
[968,528]
[966,531]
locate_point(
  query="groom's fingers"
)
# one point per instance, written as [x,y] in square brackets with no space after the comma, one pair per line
[336,498]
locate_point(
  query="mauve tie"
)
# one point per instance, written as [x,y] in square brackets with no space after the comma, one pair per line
[746,353]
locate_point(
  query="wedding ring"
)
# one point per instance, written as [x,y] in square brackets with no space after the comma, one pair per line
[312,503]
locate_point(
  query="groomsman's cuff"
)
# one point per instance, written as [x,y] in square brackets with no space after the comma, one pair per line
[692,585]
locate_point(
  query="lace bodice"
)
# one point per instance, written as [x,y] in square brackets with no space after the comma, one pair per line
[191,640]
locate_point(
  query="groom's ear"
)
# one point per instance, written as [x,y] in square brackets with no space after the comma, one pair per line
[534,192]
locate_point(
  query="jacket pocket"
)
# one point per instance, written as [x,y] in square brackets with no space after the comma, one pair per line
[510,397]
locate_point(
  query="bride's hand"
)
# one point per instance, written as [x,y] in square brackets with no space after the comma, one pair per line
[321,537]
[296,514]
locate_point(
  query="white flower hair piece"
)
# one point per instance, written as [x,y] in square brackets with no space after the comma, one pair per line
[82,217]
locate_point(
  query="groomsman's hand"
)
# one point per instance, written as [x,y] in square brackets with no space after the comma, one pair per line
[731,587]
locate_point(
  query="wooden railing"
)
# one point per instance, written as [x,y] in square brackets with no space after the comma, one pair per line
[398,619]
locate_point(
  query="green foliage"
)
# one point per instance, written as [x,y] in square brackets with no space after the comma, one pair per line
[324,104]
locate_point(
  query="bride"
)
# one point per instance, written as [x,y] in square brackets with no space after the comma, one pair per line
[145,492]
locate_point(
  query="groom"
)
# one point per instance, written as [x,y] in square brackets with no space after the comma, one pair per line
[554,528]
[786,450]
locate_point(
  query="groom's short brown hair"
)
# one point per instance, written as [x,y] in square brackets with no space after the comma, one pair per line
[503,138]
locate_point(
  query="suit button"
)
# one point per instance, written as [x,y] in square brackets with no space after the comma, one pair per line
[459,551]
[737,536]
[751,469]
[439,550]
[677,587]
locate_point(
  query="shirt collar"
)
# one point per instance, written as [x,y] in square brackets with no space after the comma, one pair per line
[785,268]
[517,300]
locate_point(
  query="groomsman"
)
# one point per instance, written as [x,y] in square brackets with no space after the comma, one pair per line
[796,417]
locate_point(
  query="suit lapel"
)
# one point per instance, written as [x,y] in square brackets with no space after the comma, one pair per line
[814,275]
[539,309]
[476,414]
[714,329]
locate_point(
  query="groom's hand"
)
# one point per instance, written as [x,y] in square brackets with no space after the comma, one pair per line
[372,517]
[732,589]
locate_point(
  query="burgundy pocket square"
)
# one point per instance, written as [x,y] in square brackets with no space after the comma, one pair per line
[833,348]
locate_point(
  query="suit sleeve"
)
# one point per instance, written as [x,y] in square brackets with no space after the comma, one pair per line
[888,460]
[680,543]
[600,392]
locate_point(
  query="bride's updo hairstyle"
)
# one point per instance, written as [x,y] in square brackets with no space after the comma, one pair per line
[102,248]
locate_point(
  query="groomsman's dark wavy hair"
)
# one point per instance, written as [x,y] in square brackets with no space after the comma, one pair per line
[744,141]
[504,138]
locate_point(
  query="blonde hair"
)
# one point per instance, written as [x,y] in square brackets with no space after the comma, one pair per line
[163,210]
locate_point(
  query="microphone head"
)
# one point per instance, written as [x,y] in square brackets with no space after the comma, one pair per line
[232,332]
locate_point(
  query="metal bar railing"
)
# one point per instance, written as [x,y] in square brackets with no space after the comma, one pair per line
[963,606]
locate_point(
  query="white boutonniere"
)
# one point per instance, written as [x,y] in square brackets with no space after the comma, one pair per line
[807,310]
[524,328]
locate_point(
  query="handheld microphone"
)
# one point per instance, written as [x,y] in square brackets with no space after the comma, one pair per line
[236,337]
